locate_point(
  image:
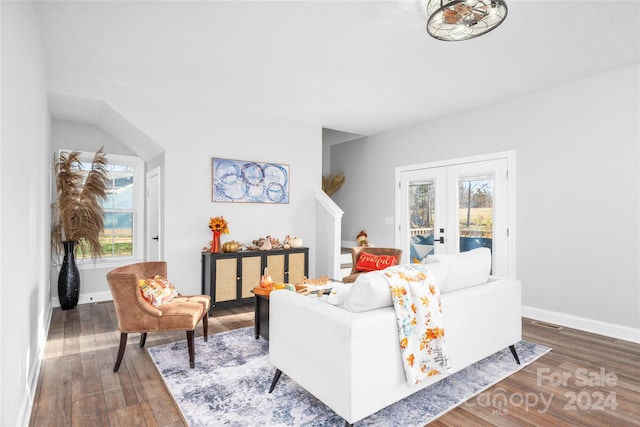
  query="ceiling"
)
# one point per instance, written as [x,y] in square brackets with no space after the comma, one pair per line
[360,67]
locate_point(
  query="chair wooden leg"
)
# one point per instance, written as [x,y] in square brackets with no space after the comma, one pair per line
[205,326]
[192,357]
[123,346]
[143,339]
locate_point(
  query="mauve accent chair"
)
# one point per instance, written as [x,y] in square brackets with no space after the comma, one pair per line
[181,313]
[355,254]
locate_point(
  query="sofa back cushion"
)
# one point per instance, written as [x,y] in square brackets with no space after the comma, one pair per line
[463,270]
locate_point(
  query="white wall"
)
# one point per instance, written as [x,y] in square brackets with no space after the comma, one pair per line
[191,133]
[25,150]
[577,195]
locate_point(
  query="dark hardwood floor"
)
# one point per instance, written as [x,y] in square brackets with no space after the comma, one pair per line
[586,380]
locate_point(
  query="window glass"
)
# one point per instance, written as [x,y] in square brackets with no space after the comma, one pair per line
[118,238]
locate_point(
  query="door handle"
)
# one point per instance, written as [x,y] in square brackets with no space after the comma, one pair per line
[155,238]
[440,240]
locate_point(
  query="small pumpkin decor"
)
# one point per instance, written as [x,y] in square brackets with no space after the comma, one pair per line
[231,246]
[292,242]
[218,226]
[295,242]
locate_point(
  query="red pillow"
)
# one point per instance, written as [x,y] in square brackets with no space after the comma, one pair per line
[369,262]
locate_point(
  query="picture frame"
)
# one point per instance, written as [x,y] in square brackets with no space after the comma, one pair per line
[245,181]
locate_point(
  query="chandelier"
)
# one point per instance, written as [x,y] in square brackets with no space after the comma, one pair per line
[454,20]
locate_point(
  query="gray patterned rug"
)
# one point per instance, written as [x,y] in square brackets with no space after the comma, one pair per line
[229,386]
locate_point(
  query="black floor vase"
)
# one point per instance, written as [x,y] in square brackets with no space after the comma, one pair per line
[69,279]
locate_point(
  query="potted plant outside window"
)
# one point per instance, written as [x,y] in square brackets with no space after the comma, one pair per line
[77,217]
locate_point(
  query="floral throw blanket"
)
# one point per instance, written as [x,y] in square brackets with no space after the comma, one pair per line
[416,299]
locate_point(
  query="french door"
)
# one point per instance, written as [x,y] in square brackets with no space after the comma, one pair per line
[456,206]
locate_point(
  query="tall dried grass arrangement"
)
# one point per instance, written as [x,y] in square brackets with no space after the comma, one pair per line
[77,211]
[332,183]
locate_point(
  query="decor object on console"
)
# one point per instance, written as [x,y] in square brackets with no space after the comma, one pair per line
[168,313]
[454,20]
[247,181]
[292,242]
[357,252]
[231,246]
[218,226]
[77,217]
[481,317]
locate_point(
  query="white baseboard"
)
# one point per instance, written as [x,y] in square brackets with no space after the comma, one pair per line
[87,298]
[31,384]
[588,325]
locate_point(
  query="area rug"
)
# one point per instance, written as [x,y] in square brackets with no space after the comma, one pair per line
[229,386]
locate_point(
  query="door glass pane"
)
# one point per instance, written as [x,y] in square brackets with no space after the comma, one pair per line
[421,219]
[475,212]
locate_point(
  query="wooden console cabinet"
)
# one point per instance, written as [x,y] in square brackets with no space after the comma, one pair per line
[230,277]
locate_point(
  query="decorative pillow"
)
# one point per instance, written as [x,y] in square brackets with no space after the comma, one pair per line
[369,262]
[463,270]
[369,292]
[157,290]
[339,293]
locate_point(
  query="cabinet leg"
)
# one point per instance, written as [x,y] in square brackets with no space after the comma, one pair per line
[256,319]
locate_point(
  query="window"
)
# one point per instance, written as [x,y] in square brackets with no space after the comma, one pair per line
[122,236]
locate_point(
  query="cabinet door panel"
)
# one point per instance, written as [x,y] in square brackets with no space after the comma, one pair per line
[251,272]
[275,264]
[296,267]
[226,279]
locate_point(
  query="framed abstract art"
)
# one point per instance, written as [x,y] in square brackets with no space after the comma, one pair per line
[249,182]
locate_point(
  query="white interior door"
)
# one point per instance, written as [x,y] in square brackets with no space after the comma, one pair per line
[154,216]
[454,207]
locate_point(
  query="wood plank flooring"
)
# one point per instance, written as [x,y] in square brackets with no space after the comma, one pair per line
[586,380]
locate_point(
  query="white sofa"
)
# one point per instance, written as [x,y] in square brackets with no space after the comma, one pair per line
[351,360]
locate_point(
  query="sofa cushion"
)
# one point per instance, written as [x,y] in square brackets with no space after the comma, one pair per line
[441,274]
[463,270]
[370,291]
[370,262]
[157,290]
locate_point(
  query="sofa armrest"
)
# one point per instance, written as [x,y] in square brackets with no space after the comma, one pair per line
[340,357]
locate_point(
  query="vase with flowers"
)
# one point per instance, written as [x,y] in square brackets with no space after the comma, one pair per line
[77,221]
[218,226]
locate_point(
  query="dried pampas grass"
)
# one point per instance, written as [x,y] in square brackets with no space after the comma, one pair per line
[77,211]
[332,183]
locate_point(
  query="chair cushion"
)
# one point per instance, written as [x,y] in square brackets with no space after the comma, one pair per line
[157,290]
[180,315]
[370,262]
[204,300]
